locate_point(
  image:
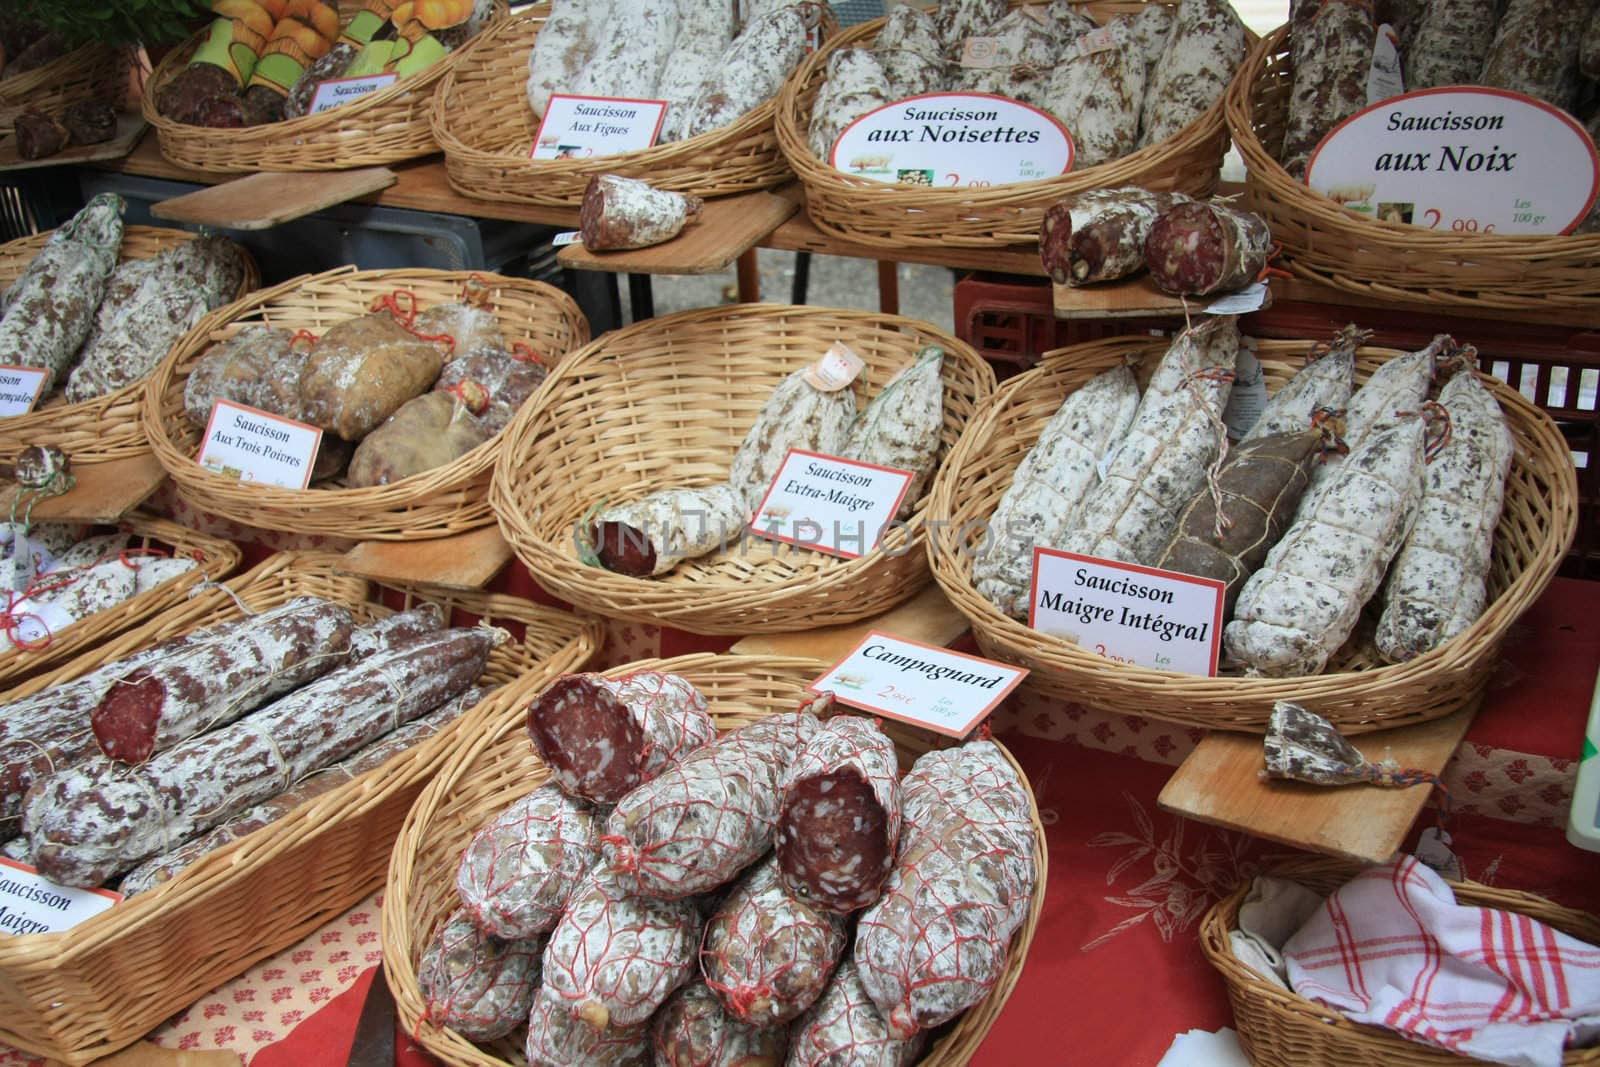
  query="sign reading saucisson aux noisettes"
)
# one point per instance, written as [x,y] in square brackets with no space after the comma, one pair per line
[1464,160]
[954,140]
[947,692]
[1128,613]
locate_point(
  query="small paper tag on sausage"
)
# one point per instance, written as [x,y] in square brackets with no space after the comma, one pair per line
[1037,13]
[571,237]
[837,368]
[33,623]
[1250,298]
[1384,77]
[980,53]
[1096,41]
[1248,397]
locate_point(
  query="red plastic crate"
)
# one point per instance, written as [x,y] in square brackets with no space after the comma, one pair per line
[1010,319]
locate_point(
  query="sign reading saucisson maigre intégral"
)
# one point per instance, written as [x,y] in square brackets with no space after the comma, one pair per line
[1128,613]
[1465,159]
[960,140]
[947,692]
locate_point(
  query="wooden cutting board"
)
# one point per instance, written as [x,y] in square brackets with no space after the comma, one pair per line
[264,200]
[726,229]
[1220,783]
[104,492]
[466,561]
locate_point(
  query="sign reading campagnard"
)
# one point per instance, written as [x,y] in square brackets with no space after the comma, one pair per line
[947,692]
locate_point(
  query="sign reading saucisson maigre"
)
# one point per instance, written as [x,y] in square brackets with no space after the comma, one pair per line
[1128,613]
[1464,160]
[961,140]
[32,904]
[947,692]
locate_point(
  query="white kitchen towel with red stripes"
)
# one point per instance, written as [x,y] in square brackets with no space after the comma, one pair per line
[1393,948]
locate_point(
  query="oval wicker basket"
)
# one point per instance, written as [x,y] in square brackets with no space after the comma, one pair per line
[482,120]
[92,72]
[216,558]
[437,503]
[81,994]
[1357,692]
[498,767]
[106,427]
[1280,1027]
[667,402]
[382,127]
[1333,246]
[898,216]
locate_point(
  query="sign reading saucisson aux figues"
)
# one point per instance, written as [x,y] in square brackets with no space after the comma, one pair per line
[954,140]
[1465,160]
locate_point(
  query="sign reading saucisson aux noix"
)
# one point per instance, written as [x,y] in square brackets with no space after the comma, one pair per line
[959,140]
[1466,160]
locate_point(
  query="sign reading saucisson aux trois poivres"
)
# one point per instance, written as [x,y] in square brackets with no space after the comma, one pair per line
[1467,160]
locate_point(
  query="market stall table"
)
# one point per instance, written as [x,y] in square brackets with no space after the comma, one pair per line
[102,492]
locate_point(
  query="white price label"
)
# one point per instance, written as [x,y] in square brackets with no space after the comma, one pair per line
[838,506]
[32,904]
[1464,160]
[571,237]
[336,91]
[837,368]
[257,446]
[1246,300]
[20,388]
[947,692]
[579,127]
[1383,77]
[1248,397]
[1128,613]
[962,140]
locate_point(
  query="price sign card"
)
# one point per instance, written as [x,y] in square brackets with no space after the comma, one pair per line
[255,446]
[954,139]
[1464,160]
[837,506]
[947,692]
[336,91]
[32,904]
[1128,613]
[577,127]
[20,388]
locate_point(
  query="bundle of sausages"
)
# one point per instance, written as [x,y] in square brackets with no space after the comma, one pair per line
[135,760]
[777,888]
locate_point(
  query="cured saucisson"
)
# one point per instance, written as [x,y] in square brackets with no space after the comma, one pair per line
[936,941]
[1535,50]
[856,84]
[1330,77]
[1050,485]
[846,1029]
[900,427]
[653,535]
[910,55]
[840,821]
[519,872]
[565,45]
[710,814]
[621,213]
[425,618]
[604,737]
[557,1039]
[693,1030]
[1199,249]
[1099,235]
[1326,381]
[479,986]
[796,415]
[99,819]
[1451,43]
[751,71]
[1095,92]
[1201,54]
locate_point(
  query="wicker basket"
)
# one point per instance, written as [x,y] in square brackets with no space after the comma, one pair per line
[498,767]
[899,216]
[438,503]
[1333,246]
[382,127]
[482,120]
[106,427]
[1357,692]
[1280,1027]
[216,558]
[92,72]
[667,402]
[80,994]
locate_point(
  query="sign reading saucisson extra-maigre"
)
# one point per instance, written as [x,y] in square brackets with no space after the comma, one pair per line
[960,140]
[1464,160]
[1128,613]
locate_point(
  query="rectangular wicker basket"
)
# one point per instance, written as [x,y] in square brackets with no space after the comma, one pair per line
[78,995]
[497,767]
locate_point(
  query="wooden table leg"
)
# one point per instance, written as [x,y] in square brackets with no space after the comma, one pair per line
[888,287]
[749,276]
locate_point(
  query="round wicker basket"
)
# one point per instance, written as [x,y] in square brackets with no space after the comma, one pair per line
[482,120]
[106,427]
[1279,1027]
[1357,691]
[382,127]
[897,216]
[92,72]
[667,402]
[498,767]
[1333,246]
[438,503]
